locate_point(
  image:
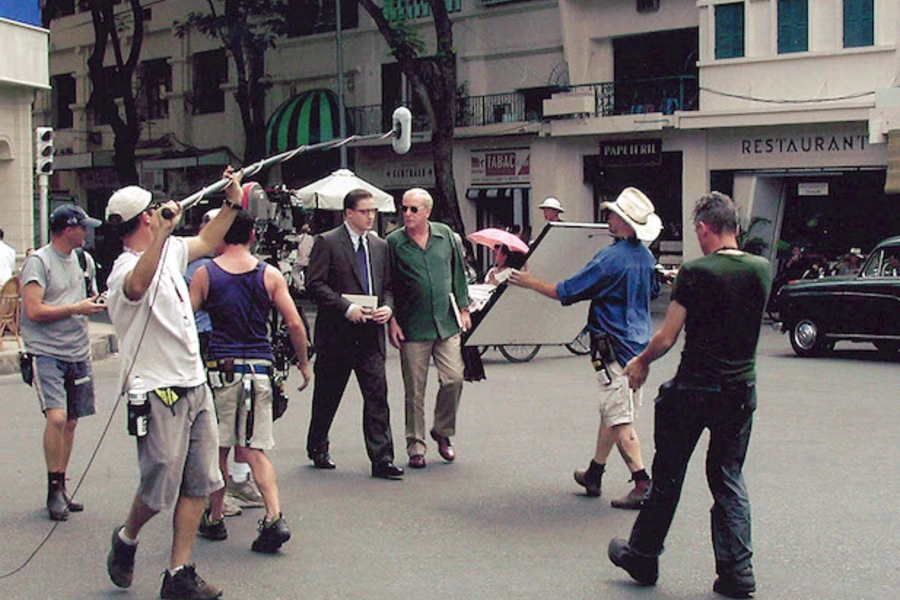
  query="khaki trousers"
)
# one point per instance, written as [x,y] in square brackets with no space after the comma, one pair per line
[414,358]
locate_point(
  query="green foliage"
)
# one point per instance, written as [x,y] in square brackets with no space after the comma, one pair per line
[253,24]
[751,243]
[406,35]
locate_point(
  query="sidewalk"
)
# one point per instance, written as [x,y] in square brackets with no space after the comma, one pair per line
[103,343]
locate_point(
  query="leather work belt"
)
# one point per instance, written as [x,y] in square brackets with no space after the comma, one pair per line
[228,366]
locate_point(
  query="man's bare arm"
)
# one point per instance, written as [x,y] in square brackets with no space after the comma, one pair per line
[662,341]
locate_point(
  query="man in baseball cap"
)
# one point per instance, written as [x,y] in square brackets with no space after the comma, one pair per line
[150,308]
[59,293]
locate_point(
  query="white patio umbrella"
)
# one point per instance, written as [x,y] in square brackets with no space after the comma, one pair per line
[328,193]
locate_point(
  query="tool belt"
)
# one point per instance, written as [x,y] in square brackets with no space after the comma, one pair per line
[226,368]
[602,355]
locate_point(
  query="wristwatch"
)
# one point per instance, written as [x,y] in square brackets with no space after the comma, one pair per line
[231,205]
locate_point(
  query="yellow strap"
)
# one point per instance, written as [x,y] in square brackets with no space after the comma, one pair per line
[167,396]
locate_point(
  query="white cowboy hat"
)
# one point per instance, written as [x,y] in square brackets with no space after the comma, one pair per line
[637,210]
[553,203]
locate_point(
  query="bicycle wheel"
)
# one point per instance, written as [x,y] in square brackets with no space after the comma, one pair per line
[482,350]
[581,345]
[519,354]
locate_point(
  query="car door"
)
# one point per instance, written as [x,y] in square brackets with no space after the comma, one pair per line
[882,312]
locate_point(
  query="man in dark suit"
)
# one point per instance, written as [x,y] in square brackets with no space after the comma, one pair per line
[349,277]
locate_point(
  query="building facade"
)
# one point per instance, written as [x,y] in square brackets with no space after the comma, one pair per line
[789,105]
[23,71]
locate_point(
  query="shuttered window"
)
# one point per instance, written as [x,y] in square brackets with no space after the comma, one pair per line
[793,26]
[859,23]
[399,10]
[730,30]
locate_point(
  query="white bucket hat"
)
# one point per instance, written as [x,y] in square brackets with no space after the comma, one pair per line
[553,203]
[127,203]
[637,210]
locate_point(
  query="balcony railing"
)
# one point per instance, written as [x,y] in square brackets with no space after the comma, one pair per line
[472,111]
[661,94]
[634,96]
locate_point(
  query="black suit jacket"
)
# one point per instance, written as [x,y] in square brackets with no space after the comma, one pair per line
[332,271]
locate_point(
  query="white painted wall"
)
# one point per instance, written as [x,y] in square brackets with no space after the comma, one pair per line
[23,70]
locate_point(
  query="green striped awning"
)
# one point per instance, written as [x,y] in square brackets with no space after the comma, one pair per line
[308,118]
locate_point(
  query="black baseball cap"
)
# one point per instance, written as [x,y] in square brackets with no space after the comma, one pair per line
[70,215]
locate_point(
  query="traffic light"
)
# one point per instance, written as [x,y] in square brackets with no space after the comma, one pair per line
[43,156]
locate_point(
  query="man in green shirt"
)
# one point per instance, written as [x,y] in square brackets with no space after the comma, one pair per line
[719,301]
[430,301]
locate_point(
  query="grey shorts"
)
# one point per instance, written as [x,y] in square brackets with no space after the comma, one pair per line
[179,456]
[65,385]
[617,400]
[244,409]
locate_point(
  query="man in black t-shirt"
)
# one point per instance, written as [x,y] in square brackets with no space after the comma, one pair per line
[719,301]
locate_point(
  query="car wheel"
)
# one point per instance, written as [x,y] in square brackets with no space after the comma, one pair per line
[808,339]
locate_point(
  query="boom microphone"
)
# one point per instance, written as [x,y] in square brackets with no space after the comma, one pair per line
[402,129]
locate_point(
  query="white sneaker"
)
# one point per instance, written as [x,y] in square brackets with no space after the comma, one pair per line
[246,493]
[230,507]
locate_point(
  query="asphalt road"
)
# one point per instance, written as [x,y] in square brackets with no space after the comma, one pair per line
[505,520]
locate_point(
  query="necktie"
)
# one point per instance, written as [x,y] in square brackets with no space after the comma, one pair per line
[363,261]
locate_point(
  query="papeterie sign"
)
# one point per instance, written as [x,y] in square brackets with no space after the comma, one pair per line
[631,153]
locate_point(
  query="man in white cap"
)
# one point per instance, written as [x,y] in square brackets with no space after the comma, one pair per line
[620,282]
[551,208]
[150,308]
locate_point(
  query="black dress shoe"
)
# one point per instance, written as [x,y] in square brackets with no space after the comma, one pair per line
[322,460]
[57,506]
[386,470]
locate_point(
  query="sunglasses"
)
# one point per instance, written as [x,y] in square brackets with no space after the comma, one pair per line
[367,211]
[412,209]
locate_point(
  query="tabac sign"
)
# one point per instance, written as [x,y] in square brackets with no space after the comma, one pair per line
[501,166]
[631,153]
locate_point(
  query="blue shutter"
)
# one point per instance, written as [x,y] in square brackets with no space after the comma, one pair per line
[793,26]
[859,23]
[730,30]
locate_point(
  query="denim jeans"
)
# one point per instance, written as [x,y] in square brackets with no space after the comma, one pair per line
[682,412]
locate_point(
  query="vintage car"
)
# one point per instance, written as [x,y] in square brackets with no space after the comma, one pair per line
[817,313]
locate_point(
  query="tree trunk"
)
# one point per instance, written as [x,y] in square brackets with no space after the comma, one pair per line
[108,84]
[434,80]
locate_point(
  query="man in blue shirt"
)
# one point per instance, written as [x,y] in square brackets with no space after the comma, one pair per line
[620,282]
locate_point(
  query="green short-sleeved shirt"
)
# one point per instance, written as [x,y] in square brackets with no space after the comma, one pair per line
[725,296]
[423,282]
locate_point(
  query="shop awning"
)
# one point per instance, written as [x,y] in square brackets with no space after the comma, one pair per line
[308,118]
[487,193]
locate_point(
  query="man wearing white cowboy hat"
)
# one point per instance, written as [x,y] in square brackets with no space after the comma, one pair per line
[619,281]
[551,208]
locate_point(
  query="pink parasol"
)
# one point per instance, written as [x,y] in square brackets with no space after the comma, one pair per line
[492,236]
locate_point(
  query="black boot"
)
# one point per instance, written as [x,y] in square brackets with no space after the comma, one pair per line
[590,479]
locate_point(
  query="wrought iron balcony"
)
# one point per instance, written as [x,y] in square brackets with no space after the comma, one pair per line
[634,96]
[661,94]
